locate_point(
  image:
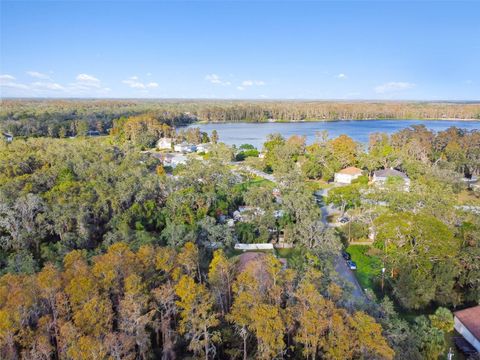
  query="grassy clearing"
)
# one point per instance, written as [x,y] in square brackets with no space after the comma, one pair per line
[257,181]
[288,253]
[369,266]
[468,197]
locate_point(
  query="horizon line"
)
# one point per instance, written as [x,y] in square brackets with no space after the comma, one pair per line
[472,101]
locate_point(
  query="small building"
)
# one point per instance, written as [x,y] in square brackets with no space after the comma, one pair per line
[345,176]
[185,148]
[173,160]
[380,177]
[253,247]
[165,144]
[205,148]
[246,213]
[8,137]
[467,323]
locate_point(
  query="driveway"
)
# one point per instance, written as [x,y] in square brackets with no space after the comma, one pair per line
[345,273]
[340,264]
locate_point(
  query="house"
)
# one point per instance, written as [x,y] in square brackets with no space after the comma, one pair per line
[345,176]
[164,144]
[8,137]
[467,323]
[185,148]
[173,160]
[380,177]
[205,148]
[246,213]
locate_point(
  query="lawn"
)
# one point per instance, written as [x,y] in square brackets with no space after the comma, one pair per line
[369,266]
[256,181]
[468,197]
[288,253]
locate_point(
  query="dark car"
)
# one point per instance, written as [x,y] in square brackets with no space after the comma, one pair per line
[352,265]
[346,255]
[344,220]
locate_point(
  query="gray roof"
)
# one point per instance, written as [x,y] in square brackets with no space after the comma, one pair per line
[389,173]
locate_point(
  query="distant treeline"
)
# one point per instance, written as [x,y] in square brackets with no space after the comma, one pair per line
[60,118]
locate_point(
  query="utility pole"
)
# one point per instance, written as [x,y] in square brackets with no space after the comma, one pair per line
[450,354]
[383,277]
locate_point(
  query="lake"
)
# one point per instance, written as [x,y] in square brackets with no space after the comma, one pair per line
[359,130]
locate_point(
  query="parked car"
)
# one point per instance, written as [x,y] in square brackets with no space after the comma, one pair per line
[346,255]
[352,265]
[344,220]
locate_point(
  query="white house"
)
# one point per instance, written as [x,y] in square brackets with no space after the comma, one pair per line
[345,176]
[185,148]
[205,148]
[246,213]
[164,144]
[380,177]
[467,323]
[173,159]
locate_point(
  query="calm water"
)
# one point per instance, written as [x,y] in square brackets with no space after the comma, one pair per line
[255,134]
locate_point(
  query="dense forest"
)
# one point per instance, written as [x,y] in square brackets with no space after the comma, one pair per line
[107,254]
[61,118]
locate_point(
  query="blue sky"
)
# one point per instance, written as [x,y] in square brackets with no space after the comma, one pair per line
[254,50]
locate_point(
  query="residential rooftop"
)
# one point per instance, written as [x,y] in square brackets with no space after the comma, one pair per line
[351,170]
[389,173]
[470,318]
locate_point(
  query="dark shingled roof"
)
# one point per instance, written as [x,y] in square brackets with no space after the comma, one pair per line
[470,318]
[390,172]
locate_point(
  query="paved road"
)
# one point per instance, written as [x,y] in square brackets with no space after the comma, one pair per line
[342,269]
[340,265]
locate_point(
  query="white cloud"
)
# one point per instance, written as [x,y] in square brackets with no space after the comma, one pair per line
[84,85]
[47,86]
[393,87]
[241,88]
[469,82]
[87,78]
[6,77]
[87,81]
[38,75]
[135,83]
[253,83]
[8,81]
[215,79]
[341,76]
